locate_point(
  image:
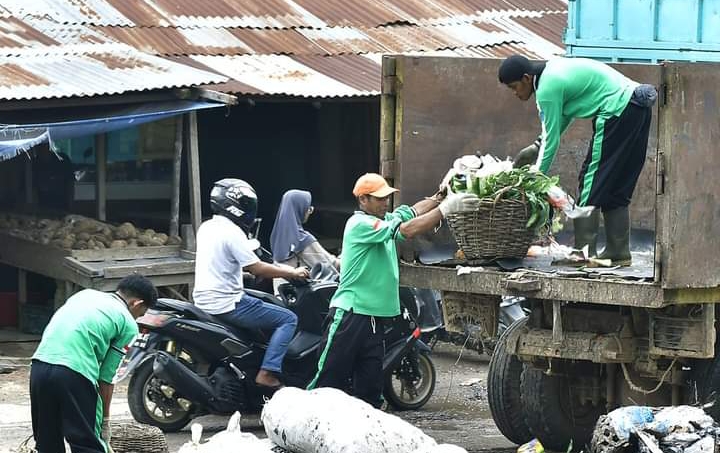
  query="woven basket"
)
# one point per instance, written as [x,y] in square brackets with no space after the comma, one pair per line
[495,230]
[135,437]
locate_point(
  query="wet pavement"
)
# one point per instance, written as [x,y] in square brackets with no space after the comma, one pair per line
[457,413]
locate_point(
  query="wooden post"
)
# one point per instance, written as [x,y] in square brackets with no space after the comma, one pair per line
[388,103]
[193,170]
[28,180]
[187,233]
[101,175]
[177,169]
[22,286]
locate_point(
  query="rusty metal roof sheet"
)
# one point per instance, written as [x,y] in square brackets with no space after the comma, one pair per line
[291,47]
[285,75]
[90,70]
[269,13]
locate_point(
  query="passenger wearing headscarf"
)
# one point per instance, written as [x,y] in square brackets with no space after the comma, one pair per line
[291,244]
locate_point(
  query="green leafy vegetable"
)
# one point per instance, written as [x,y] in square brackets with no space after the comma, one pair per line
[516,184]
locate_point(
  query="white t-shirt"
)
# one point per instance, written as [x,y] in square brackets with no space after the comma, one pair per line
[223,249]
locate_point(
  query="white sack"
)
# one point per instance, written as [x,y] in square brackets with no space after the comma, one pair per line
[327,420]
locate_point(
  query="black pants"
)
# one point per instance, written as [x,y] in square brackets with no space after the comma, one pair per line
[352,350]
[615,159]
[64,404]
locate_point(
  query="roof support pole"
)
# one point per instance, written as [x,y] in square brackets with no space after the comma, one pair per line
[101,175]
[177,170]
[28,180]
[193,160]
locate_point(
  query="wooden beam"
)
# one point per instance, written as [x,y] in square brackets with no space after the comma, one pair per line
[151,269]
[193,160]
[22,286]
[28,180]
[217,96]
[551,287]
[177,170]
[187,234]
[127,98]
[130,253]
[101,175]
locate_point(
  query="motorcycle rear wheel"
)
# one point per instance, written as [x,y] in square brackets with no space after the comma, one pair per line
[143,409]
[411,384]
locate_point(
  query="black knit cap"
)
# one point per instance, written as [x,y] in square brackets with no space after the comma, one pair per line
[514,67]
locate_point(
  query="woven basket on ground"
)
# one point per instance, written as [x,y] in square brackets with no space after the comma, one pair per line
[135,437]
[496,230]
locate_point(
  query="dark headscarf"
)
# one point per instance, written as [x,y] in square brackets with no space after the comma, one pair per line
[288,235]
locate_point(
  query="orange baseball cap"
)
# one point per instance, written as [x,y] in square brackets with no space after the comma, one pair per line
[372,184]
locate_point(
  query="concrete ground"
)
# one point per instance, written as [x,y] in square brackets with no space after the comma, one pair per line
[457,413]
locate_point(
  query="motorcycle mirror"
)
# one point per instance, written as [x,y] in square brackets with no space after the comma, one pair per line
[254,230]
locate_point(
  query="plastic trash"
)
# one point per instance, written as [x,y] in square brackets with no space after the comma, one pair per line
[560,199]
[704,445]
[675,429]
[628,419]
[534,446]
[231,439]
[677,419]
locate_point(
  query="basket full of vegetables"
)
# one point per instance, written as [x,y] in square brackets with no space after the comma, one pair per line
[513,211]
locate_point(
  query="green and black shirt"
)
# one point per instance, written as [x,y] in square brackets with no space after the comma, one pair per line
[89,334]
[369,280]
[571,88]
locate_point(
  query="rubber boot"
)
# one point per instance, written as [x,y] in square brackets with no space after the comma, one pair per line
[617,237]
[586,232]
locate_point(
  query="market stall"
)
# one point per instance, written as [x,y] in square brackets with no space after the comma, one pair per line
[131,221]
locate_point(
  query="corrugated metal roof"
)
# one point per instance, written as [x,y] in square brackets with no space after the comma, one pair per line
[281,74]
[38,73]
[315,48]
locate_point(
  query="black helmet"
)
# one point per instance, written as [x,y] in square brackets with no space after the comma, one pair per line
[236,200]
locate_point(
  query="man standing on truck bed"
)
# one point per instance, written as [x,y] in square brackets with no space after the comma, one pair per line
[352,346]
[569,88]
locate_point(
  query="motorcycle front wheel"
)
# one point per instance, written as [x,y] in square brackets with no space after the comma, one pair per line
[411,384]
[151,403]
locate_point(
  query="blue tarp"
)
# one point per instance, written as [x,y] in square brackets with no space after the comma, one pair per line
[16,138]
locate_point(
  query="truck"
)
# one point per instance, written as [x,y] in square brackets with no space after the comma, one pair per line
[594,340]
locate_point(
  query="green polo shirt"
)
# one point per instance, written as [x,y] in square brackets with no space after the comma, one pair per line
[369,272]
[571,88]
[89,334]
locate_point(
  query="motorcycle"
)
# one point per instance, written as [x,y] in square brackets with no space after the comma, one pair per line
[186,363]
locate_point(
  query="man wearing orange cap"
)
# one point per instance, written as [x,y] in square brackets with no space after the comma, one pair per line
[352,346]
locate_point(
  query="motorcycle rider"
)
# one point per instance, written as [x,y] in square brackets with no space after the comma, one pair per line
[291,243]
[224,250]
[352,345]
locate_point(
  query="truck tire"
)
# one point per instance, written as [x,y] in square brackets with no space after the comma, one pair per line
[503,383]
[551,414]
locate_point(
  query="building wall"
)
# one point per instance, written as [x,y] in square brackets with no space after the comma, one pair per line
[277,146]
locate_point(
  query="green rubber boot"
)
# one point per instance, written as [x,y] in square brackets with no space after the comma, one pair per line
[586,232]
[617,237]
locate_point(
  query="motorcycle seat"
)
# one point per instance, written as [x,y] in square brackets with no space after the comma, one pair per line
[302,344]
[182,306]
[265,297]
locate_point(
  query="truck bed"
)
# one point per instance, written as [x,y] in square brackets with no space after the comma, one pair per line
[537,277]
